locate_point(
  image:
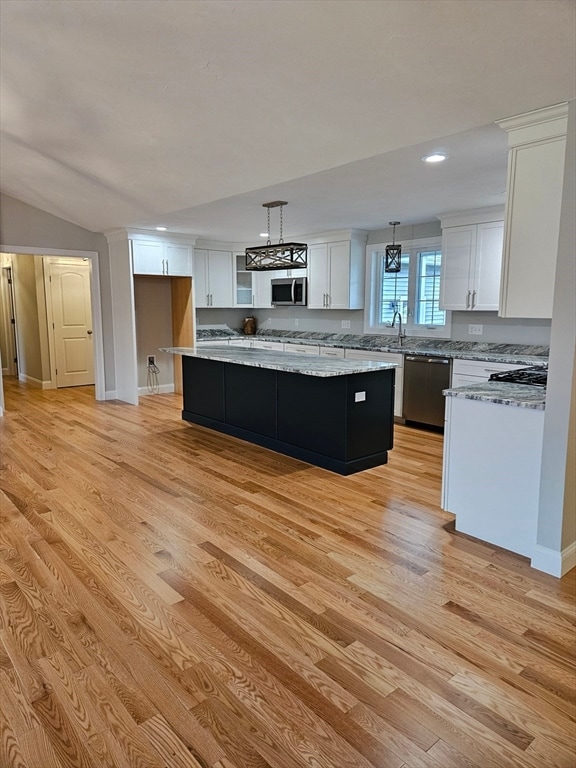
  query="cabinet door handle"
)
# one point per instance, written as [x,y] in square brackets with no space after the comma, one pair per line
[473,299]
[468,300]
[207,299]
[167,270]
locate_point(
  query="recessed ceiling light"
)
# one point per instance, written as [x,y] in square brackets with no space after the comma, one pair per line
[263,234]
[435,157]
[162,229]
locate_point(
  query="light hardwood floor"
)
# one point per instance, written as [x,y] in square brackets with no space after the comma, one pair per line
[174,597]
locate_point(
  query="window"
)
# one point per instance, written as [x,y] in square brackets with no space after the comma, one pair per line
[414,292]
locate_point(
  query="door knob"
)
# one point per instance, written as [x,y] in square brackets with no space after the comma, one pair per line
[89,333]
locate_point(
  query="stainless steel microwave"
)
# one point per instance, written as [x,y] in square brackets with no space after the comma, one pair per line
[289,292]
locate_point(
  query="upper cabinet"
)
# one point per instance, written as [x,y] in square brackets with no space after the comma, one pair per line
[537,148]
[336,274]
[158,257]
[244,282]
[213,278]
[472,260]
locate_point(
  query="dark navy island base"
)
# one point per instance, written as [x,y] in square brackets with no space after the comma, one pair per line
[342,423]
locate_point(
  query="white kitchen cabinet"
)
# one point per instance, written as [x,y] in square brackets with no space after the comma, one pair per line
[302,349]
[213,278]
[537,148]
[477,371]
[471,262]
[244,294]
[212,343]
[491,471]
[157,257]
[336,275]
[332,352]
[386,357]
[276,346]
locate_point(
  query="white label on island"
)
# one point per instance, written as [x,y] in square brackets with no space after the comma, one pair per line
[359,397]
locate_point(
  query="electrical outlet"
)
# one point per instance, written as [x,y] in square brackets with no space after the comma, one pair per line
[345,323]
[296,322]
[475,330]
[151,360]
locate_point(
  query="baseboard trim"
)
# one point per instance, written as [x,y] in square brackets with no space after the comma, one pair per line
[554,562]
[36,383]
[162,390]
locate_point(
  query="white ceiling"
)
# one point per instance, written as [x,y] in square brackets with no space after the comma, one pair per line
[192,113]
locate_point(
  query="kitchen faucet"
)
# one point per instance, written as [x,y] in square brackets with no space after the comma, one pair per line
[401,334]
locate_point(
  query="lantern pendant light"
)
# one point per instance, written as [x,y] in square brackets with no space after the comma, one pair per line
[276,256]
[393,252]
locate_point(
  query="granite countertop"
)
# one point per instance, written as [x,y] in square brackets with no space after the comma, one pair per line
[504,393]
[515,354]
[311,365]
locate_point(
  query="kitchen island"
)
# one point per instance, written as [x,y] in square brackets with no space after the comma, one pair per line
[333,413]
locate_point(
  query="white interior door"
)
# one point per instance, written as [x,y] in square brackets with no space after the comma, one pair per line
[72,323]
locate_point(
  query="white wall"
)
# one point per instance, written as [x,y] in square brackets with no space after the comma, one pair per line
[24,225]
[500,330]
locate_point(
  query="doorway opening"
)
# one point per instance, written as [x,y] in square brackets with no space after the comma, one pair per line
[8,337]
[57,328]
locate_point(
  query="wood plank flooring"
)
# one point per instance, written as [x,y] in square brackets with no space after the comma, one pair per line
[174,598]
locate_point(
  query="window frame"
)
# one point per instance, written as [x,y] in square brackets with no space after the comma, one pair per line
[374,291]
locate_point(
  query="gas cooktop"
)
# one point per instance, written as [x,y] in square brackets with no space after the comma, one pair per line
[536,376]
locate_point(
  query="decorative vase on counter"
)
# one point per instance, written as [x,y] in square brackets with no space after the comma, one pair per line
[249,326]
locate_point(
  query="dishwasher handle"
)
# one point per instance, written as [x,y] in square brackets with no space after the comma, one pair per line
[422,359]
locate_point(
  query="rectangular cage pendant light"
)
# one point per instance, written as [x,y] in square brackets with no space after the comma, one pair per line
[276,256]
[393,259]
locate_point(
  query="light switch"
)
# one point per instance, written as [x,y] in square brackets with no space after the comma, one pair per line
[359,397]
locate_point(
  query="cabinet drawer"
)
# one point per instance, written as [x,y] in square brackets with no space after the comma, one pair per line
[241,343]
[331,352]
[301,349]
[482,368]
[212,343]
[277,346]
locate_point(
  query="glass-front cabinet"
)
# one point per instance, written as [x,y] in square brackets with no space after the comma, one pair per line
[244,293]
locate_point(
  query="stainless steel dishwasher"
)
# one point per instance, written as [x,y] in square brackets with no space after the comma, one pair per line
[424,380]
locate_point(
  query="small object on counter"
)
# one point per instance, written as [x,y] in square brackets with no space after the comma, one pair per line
[249,326]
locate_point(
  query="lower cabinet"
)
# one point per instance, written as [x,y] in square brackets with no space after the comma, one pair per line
[332,352]
[302,349]
[387,357]
[273,346]
[491,473]
[477,371]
